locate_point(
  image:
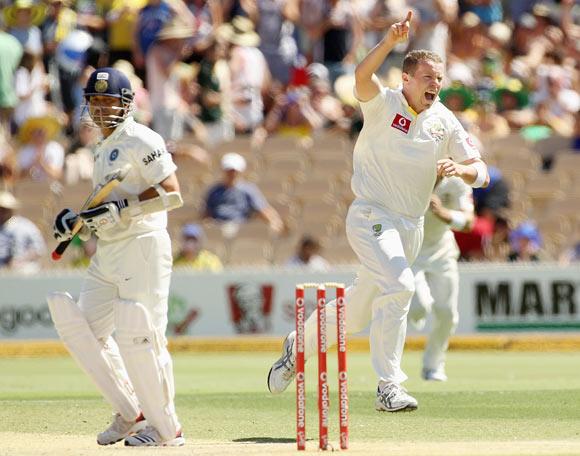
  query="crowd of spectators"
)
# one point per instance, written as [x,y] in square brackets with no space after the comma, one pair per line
[206,71]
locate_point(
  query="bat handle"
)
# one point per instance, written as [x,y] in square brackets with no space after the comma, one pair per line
[60,248]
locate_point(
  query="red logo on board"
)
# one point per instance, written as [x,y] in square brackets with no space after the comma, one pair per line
[251,307]
[401,123]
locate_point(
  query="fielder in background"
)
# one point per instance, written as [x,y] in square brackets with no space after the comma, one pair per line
[435,269]
[408,138]
[126,286]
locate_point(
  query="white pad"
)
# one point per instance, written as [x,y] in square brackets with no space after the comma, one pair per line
[149,365]
[100,361]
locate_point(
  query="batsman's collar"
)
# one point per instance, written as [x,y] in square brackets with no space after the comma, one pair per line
[120,129]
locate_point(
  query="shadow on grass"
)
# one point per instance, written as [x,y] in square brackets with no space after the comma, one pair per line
[264,440]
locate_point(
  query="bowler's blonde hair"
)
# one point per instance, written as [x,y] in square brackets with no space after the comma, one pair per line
[413,58]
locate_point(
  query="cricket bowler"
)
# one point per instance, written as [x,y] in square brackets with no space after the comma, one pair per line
[408,139]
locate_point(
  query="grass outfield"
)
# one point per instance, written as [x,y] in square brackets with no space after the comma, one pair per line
[494,403]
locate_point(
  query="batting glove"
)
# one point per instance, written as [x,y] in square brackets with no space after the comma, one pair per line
[104,217]
[63,225]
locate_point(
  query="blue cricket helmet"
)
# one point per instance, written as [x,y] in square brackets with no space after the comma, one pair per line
[108,82]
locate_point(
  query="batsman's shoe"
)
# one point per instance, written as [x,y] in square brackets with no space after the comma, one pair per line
[120,429]
[436,375]
[283,371]
[150,437]
[394,398]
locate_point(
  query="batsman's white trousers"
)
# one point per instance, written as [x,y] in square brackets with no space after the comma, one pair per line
[136,269]
[386,244]
[437,291]
[136,272]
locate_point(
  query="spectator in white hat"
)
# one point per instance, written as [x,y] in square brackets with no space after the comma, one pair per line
[233,201]
[21,244]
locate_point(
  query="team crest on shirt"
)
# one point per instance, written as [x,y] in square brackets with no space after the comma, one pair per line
[401,123]
[437,132]
[377,230]
[114,155]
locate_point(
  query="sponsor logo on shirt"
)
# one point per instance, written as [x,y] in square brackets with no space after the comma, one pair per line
[114,155]
[401,123]
[470,142]
[153,156]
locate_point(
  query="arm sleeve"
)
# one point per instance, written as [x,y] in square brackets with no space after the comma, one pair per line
[154,161]
[257,200]
[460,146]
[376,106]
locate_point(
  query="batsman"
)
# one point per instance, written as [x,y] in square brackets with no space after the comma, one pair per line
[126,286]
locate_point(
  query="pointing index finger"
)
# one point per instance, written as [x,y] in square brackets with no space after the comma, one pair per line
[409,17]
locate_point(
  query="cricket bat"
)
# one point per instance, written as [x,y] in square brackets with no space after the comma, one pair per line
[98,195]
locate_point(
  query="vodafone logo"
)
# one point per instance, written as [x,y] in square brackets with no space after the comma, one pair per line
[401,123]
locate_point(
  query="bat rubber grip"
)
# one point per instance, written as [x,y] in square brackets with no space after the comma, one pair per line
[60,248]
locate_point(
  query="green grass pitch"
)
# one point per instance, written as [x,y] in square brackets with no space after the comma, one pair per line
[491,396]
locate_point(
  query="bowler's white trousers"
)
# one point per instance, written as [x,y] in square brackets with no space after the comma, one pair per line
[386,245]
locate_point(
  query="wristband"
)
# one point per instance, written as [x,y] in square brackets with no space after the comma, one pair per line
[481,176]
[458,220]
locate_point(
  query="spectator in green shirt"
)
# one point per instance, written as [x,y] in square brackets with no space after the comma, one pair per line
[11,52]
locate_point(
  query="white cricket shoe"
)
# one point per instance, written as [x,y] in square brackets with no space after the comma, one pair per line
[437,375]
[121,428]
[150,437]
[283,371]
[394,398]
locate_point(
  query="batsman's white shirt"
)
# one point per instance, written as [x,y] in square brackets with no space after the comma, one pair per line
[132,262]
[145,150]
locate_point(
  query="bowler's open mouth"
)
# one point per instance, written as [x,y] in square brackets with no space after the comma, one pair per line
[430,96]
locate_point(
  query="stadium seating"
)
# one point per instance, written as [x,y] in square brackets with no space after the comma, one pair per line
[310,188]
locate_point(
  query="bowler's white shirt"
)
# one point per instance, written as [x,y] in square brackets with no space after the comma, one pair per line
[396,154]
[151,163]
[438,238]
